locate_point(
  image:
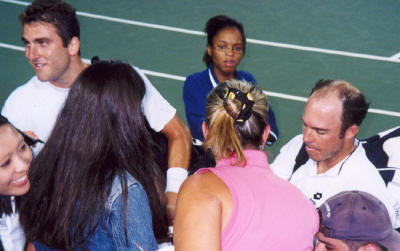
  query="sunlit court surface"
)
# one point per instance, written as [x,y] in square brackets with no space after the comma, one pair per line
[290,46]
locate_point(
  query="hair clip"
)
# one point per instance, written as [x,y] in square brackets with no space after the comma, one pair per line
[246,100]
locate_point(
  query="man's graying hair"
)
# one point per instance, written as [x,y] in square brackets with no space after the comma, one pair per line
[355,107]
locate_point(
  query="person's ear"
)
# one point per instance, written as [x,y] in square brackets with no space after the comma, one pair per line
[265,134]
[74,46]
[204,128]
[351,132]
[369,247]
[209,50]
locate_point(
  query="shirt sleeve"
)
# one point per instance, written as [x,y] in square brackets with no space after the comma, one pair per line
[274,131]
[156,108]
[391,148]
[195,103]
[13,112]
[139,227]
[284,163]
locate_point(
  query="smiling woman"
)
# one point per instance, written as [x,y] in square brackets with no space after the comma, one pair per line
[15,159]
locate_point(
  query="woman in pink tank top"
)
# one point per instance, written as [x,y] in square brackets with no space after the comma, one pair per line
[240,204]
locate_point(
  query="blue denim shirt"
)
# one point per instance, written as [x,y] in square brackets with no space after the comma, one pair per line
[110,234]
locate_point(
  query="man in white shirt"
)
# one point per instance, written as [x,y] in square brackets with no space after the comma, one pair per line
[327,158]
[52,47]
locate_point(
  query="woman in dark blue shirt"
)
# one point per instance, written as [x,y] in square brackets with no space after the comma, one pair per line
[226,45]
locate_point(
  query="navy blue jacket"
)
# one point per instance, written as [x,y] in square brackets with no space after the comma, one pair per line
[195,90]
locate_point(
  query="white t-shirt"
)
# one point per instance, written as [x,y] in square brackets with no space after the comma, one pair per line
[355,172]
[35,105]
[11,233]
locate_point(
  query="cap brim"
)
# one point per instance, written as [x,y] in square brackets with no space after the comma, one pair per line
[392,242]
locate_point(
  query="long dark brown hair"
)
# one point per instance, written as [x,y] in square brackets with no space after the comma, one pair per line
[99,134]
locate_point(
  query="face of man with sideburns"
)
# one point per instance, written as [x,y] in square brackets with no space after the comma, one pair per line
[45,51]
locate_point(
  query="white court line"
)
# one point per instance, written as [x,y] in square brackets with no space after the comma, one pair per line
[16,2]
[249,40]
[181,78]
[285,96]
[396,56]
[12,47]
[324,51]
[163,75]
[148,25]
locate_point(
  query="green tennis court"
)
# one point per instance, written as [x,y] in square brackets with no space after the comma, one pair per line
[291,45]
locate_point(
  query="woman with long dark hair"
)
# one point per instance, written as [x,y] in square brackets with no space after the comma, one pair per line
[95,184]
[225,48]
[240,204]
[15,158]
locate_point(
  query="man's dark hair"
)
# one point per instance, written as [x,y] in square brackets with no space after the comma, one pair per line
[55,12]
[355,107]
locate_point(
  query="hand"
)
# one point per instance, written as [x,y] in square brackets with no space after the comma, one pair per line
[29,247]
[31,134]
[171,206]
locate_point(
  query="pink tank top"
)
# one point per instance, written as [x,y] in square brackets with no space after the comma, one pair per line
[268,212]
